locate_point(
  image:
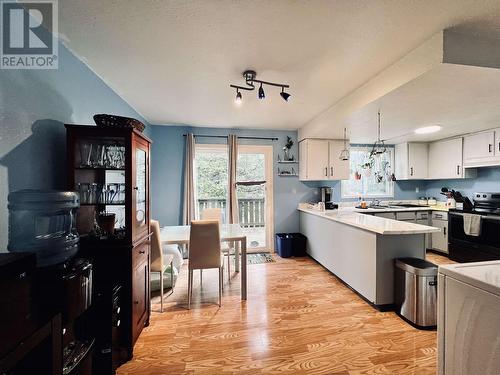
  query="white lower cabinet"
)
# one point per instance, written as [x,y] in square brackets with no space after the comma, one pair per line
[406,216]
[440,239]
[418,217]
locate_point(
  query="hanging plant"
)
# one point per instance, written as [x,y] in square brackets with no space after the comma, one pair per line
[368,164]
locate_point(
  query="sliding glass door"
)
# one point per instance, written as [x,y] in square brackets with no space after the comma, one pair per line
[254,189]
[255,195]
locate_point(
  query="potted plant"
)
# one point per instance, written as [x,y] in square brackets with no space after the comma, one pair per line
[286,149]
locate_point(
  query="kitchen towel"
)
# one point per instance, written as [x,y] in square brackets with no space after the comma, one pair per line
[472,224]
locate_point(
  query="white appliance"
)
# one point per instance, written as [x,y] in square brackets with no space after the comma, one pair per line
[469,319]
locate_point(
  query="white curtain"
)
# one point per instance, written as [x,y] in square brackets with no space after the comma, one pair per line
[232,198]
[189,204]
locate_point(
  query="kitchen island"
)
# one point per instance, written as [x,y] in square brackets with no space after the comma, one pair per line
[360,249]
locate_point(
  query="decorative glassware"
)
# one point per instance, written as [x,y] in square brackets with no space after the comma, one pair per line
[85,154]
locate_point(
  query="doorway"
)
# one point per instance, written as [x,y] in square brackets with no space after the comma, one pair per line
[254,189]
[255,196]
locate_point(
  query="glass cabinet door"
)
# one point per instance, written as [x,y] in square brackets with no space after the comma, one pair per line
[99,178]
[141,204]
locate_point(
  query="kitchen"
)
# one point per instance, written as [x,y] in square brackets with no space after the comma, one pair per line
[345,155]
[450,169]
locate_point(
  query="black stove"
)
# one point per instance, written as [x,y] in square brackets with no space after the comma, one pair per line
[483,246]
[487,203]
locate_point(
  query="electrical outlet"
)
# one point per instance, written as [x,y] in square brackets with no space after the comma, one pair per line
[417,189]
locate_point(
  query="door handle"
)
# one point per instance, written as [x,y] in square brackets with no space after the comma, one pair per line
[326,171]
[489,147]
[498,146]
[331,171]
[444,231]
[458,169]
[411,171]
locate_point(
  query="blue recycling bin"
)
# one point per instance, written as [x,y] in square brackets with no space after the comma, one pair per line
[290,244]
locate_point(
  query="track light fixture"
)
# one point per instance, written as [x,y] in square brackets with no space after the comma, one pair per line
[237,100]
[261,92]
[284,94]
[250,81]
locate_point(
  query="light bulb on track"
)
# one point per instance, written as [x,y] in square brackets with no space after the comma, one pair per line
[261,92]
[238,98]
[284,94]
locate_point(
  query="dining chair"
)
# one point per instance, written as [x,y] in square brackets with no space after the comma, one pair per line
[216,214]
[204,252]
[160,261]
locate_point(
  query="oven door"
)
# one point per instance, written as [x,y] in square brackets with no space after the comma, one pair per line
[465,248]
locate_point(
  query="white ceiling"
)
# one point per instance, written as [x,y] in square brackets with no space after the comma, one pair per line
[461,99]
[173,60]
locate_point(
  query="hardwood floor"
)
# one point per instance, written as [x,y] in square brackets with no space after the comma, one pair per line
[299,319]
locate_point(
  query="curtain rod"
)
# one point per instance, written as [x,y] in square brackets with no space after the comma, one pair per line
[225,136]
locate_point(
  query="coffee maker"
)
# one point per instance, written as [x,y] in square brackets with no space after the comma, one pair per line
[326,194]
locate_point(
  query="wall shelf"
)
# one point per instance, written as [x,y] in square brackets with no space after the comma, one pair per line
[288,175]
[288,162]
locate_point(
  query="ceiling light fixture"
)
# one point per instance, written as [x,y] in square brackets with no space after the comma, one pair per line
[344,154]
[238,98]
[428,129]
[250,81]
[379,146]
[284,94]
[261,92]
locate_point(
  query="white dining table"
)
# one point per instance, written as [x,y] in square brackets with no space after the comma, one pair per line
[179,235]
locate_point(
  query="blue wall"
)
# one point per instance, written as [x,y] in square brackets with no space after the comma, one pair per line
[167,162]
[488,180]
[34,105]
[403,190]
[167,175]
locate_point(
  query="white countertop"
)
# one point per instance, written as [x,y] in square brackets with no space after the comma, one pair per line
[483,275]
[401,209]
[352,216]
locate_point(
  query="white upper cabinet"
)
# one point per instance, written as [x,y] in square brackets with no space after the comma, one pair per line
[411,161]
[479,149]
[313,159]
[319,160]
[338,169]
[445,159]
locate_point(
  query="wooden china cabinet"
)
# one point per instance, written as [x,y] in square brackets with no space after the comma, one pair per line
[110,169]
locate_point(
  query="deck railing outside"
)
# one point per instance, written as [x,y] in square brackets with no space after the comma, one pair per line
[251,210]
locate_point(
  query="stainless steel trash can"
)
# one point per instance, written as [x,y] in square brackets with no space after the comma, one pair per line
[416,291]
